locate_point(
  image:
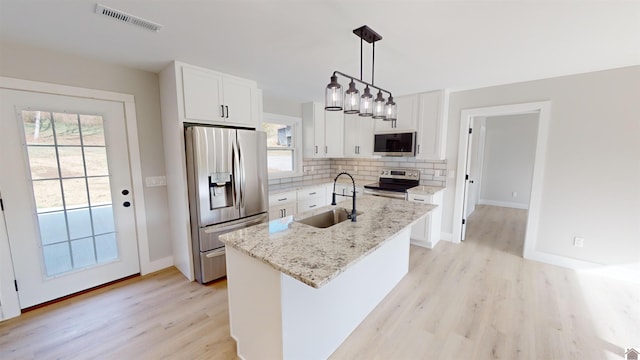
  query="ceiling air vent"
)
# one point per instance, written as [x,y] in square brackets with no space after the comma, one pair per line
[128,18]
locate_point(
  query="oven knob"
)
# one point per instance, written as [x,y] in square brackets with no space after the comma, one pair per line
[382,172]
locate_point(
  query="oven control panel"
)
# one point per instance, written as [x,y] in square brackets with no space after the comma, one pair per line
[408,174]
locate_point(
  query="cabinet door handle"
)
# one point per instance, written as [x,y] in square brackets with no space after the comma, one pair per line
[284,212]
[227,108]
[312,206]
[418,148]
[316,149]
[221,111]
[283,199]
[326,149]
[312,193]
[416,199]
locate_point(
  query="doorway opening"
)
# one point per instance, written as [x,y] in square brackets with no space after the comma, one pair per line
[471,167]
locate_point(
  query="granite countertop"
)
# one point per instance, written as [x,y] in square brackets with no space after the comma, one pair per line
[425,189]
[315,256]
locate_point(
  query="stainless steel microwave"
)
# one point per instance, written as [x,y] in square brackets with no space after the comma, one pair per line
[395,144]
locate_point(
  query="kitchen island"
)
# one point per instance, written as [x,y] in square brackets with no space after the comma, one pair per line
[297,291]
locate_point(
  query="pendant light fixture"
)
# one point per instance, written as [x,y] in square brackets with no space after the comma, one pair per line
[363,105]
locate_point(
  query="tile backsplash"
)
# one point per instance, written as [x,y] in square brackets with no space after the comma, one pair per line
[365,171]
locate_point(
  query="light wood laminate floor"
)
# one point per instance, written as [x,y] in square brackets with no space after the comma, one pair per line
[476,300]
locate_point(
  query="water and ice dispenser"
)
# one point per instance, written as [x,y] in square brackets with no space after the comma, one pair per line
[220,190]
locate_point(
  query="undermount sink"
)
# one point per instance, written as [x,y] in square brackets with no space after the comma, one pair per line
[328,218]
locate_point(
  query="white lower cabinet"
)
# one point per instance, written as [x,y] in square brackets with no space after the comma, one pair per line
[426,232]
[282,204]
[311,198]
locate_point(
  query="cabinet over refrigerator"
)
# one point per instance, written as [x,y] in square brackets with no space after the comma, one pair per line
[227,181]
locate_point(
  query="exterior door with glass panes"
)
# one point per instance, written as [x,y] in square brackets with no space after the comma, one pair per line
[66,188]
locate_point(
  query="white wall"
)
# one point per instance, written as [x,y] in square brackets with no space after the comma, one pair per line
[29,63]
[592,167]
[280,106]
[509,152]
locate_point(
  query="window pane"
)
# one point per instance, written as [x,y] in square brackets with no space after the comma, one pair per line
[102,219]
[75,193]
[79,223]
[67,129]
[37,127]
[83,254]
[278,135]
[42,160]
[47,195]
[92,130]
[71,164]
[280,160]
[53,227]
[96,160]
[99,191]
[57,258]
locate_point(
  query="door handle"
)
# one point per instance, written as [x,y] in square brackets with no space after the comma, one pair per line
[215,253]
[221,111]
[316,149]
[227,107]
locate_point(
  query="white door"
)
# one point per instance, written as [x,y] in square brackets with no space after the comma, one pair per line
[66,188]
[469,184]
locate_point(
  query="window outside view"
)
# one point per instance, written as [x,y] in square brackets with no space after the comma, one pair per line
[280,147]
[70,179]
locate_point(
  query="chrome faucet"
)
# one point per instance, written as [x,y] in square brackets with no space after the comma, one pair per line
[333,196]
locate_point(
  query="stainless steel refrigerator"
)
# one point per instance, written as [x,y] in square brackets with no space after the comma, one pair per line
[227,177]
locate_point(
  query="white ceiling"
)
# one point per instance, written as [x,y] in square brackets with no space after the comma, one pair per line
[292,47]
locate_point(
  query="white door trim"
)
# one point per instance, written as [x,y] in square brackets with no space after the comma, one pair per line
[543,108]
[146,266]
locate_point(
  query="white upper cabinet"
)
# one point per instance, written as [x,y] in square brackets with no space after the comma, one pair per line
[432,125]
[407,116]
[334,133]
[322,131]
[358,136]
[216,98]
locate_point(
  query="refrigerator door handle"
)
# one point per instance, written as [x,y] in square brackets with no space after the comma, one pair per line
[236,173]
[243,181]
[215,253]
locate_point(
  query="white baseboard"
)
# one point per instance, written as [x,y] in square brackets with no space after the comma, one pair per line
[424,244]
[446,236]
[625,272]
[157,265]
[561,261]
[503,204]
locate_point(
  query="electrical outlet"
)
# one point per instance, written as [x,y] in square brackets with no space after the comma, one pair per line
[578,241]
[514,193]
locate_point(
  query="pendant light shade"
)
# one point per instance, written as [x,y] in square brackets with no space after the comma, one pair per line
[333,95]
[378,106]
[390,110]
[352,99]
[366,103]
[352,102]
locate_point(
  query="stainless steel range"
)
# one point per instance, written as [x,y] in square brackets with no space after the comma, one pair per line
[394,183]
